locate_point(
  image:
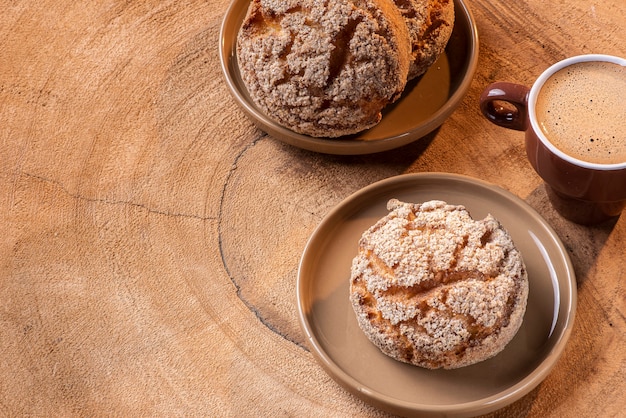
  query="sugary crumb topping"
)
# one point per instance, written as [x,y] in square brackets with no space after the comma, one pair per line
[431,278]
[323,68]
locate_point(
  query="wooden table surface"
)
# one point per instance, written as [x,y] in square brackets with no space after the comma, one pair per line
[150,235]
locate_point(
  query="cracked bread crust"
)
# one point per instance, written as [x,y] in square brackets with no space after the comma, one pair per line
[324,68]
[432,287]
[416,18]
[431,41]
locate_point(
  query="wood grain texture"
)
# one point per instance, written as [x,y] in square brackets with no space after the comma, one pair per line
[150,234]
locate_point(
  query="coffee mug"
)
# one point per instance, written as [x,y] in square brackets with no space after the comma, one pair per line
[574,118]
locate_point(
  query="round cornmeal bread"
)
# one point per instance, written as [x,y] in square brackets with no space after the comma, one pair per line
[416,16]
[430,24]
[435,288]
[435,33]
[324,69]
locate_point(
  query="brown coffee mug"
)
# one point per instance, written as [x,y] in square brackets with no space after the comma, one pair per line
[582,191]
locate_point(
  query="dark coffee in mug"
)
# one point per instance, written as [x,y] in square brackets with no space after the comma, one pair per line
[574,120]
[581,110]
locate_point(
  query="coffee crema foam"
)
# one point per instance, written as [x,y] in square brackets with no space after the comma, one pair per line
[581,109]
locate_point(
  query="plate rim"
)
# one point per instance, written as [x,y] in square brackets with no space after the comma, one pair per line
[479,406]
[348,146]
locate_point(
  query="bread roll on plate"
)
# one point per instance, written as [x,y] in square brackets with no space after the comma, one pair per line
[324,69]
[433,287]
[430,24]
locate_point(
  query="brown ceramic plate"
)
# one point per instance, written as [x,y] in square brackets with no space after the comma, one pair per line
[340,346]
[425,105]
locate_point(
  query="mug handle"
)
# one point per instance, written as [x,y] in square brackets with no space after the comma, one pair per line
[494,100]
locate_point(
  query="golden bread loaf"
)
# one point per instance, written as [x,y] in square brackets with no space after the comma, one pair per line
[430,24]
[432,287]
[324,68]
[328,69]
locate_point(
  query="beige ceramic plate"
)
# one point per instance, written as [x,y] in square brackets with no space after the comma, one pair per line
[426,104]
[348,356]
